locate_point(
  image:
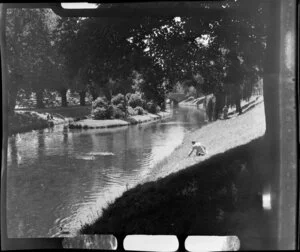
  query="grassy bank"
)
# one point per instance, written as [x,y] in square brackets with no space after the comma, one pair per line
[213,196]
[137,119]
[27,120]
[69,112]
[218,137]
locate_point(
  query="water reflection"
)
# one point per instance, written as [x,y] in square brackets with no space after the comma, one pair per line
[55,181]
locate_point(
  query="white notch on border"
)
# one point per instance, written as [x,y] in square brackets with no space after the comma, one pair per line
[163,243]
[212,243]
[83,5]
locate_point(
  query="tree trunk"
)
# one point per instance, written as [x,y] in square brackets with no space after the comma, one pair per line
[220,103]
[163,106]
[108,93]
[94,94]
[39,98]
[209,110]
[12,98]
[82,97]
[237,99]
[12,92]
[63,93]
[238,106]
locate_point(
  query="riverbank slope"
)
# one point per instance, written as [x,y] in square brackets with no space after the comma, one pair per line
[218,137]
[214,196]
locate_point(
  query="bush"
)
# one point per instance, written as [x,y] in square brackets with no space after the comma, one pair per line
[135,100]
[144,104]
[99,113]
[100,102]
[118,113]
[121,107]
[153,108]
[139,110]
[110,112]
[128,95]
[131,111]
[118,99]
[101,109]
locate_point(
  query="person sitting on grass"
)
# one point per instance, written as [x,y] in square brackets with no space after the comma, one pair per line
[200,149]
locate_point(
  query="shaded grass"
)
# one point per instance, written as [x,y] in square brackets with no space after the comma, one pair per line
[215,197]
[22,122]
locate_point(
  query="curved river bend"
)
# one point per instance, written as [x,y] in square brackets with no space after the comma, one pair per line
[61,178]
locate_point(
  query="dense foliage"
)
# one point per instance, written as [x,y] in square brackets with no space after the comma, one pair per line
[150,56]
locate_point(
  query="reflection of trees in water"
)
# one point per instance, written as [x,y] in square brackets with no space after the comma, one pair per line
[41,144]
[13,152]
[23,148]
[65,138]
[189,115]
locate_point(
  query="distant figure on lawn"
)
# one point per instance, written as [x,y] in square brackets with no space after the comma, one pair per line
[200,149]
[49,117]
[50,120]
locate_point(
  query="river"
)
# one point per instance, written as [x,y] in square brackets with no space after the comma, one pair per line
[61,178]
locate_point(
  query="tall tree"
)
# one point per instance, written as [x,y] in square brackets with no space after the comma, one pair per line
[28,47]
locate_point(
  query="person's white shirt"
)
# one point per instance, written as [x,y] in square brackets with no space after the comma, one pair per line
[200,149]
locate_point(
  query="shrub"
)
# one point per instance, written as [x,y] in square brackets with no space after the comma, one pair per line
[131,111]
[144,104]
[128,95]
[135,100]
[139,110]
[110,112]
[100,102]
[118,99]
[151,107]
[118,113]
[100,109]
[121,107]
[99,113]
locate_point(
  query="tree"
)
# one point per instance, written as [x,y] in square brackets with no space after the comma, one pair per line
[28,46]
[165,51]
[68,59]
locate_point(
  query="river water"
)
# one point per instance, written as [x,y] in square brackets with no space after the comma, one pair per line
[60,178]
